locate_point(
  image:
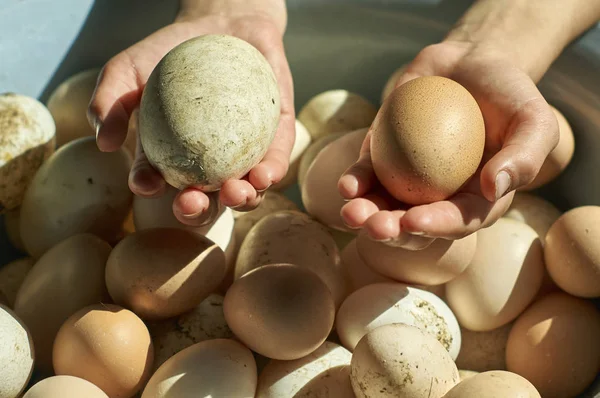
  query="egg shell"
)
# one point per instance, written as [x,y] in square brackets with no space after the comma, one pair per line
[494,384]
[440,262]
[502,279]
[359,273]
[11,225]
[301,143]
[399,360]
[65,279]
[12,276]
[320,194]
[427,140]
[387,303]
[27,139]
[335,111]
[205,322]
[323,373]
[554,344]
[107,345]
[572,251]
[281,311]
[483,351]
[295,238]
[390,84]
[209,111]
[78,189]
[465,374]
[534,211]
[212,368]
[560,157]
[312,151]
[163,272]
[64,387]
[17,354]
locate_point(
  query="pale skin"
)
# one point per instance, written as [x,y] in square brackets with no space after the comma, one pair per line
[498,51]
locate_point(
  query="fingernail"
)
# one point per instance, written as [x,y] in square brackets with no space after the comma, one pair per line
[96,124]
[192,216]
[240,205]
[350,185]
[416,233]
[263,190]
[502,184]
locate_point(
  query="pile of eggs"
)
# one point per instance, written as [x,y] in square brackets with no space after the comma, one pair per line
[115,298]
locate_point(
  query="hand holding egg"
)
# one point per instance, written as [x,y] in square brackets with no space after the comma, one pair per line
[520,131]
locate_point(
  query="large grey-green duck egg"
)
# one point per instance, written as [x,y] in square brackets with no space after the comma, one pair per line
[209,111]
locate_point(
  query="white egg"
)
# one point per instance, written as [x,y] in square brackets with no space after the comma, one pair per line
[16,354]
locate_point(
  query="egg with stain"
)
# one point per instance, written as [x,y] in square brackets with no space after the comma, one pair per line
[386,303]
[64,387]
[494,384]
[17,354]
[427,140]
[399,360]
[323,373]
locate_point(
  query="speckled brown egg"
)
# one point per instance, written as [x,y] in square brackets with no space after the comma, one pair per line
[440,262]
[555,345]
[572,251]
[163,272]
[494,384]
[428,140]
[281,311]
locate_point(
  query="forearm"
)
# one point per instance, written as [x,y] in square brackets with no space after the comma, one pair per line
[274,10]
[533,32]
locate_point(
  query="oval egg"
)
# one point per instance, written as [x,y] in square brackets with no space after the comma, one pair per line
[17,354]
[64,387]
[534,211]
[494,384]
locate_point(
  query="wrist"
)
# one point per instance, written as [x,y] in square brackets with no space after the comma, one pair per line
[272,11]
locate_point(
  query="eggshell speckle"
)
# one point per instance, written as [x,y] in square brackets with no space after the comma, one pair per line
[401,361]
[281,311]
[16,354]
[212,368]
[12,276]
[323,373]
[483,351]
[555,345]
[106,345]
[494,384]
[386,303]
[64,387]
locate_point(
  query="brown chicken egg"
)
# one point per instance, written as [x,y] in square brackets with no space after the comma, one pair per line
[64,387]
[502,279]
[572,251]
[320,194]
[163,272]
[494,384]
[440,262]
[555,345]
[427,140]
[107,345]
[280,311]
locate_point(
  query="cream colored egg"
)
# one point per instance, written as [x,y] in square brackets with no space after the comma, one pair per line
[303,140]
[312,151]
[295,238]
[11,224]
[336,111]
[465,374]
[106,345]
[323,373]
[17,354]
[554,344]
[281,311]
[12,276]
[65,279]
[494,384]
[78,189]
[390,84]
[401,361]
[502,279]
[483,351]
[320,194]
[163,272]
[359,273]
[27,139]
[440,262]
[534,211]
[64,387]
[213,368]
[205,322]
[386,303]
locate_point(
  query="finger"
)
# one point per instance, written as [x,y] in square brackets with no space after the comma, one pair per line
[144,180]
[384,226]
[360,178]
[238,194]
[252,204]
[532,135]
[195,208]
[356,212]
[455,218]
